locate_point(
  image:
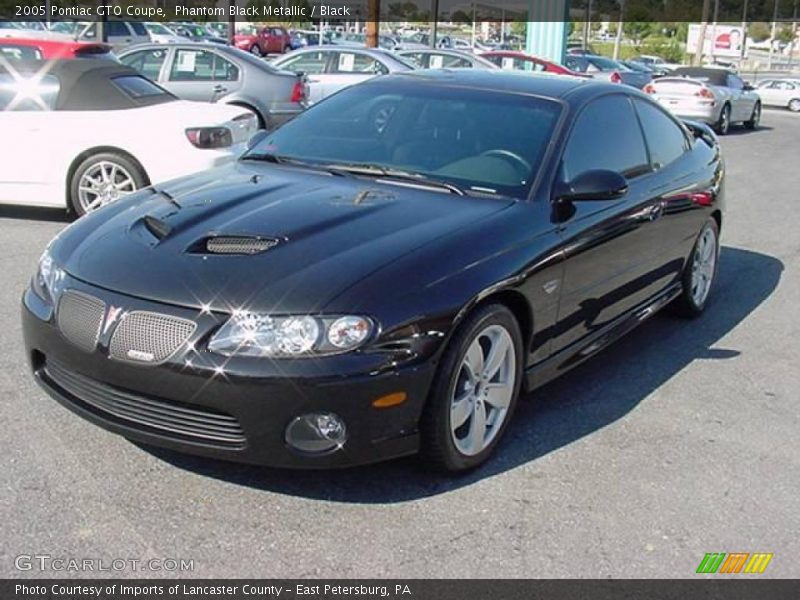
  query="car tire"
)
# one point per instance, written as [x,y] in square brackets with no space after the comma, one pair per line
[755,118]
[287,49]
[102,178]
[700,270]
[255,50]
[723,125]
[794,105]
[458,393]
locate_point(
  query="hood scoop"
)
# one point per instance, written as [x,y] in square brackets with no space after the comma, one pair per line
[247,245]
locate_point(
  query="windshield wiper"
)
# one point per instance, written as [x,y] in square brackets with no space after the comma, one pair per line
[373,170]
[277,159]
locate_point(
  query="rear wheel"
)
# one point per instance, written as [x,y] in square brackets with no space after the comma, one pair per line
[699,273]
[474,392]
[755,118]
[103,178]
[255,50]
[724,123]
[794,105]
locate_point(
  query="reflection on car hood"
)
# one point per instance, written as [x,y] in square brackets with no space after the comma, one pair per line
[329,232]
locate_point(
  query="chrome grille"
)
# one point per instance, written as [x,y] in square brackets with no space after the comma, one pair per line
[149,337]
[239,245]
[79,318]
[179,419]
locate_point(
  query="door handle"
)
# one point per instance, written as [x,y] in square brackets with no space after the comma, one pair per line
[218,89]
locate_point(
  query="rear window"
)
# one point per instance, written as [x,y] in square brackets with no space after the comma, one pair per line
[138,87]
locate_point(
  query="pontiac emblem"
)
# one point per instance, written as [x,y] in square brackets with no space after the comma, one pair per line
[111,317]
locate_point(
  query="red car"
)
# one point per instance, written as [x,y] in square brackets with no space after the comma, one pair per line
[519,61]
[36,49]
[267,40]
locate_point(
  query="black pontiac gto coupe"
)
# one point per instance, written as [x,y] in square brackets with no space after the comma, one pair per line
[382,275]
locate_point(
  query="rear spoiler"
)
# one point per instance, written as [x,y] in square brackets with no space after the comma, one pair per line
[701,131]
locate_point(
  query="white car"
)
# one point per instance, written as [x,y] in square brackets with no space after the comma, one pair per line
[82,133]
[780,92]
[714,96]
[161,34]
[335,67]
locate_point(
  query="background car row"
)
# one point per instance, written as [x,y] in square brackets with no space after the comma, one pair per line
[272,92]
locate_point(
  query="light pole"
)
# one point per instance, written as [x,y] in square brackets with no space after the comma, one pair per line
[620,24]
[774,33]
[701,41]
[373,19]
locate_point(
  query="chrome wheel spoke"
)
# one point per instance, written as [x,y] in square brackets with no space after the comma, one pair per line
[477,429]
[497,356]
[461,410]
[498,395]
[473,361]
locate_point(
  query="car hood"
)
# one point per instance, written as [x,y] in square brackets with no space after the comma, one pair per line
[328,232]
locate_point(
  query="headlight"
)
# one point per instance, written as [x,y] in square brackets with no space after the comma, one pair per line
[253,334]
[48,278]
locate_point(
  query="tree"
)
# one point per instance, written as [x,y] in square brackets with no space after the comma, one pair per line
[638,30]
[759,31]
[785,34]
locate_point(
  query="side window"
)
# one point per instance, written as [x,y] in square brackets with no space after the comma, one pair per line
[117,29]
[455,62]
[608,122]
[665,138]
[138,28]
[734,82]
[417,59]
[43,97]
[147,62]
[192,65]
[311,63]
[224,70]
[350,62]
[529,65]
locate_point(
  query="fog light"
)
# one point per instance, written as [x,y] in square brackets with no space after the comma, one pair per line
[316,433]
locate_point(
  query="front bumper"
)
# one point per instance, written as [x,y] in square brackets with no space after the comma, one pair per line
[254,399]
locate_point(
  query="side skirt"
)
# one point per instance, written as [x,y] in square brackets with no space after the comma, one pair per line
[558,364]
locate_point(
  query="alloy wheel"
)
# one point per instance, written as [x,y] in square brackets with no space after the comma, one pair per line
[103,183]
[484,389]
[794,105]
[704,264]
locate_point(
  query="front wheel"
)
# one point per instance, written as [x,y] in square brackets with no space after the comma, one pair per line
[724,122]
[755,118]
[794,105]
[103,178]
[474,392]
[255,50]
[699,273]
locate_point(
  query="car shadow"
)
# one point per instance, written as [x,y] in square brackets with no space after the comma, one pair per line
[591,397]
[35,213]
[736,130]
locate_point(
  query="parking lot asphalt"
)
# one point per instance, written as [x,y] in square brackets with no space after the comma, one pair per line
[681,439]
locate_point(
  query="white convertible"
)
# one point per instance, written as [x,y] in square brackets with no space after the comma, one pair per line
[81,133]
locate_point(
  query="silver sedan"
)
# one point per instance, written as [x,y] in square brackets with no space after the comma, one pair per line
[332,68]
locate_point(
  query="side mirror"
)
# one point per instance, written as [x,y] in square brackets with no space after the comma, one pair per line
[256,138]
[594,185]
[748,87]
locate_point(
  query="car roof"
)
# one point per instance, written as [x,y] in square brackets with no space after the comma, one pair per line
[553,86]
[86,84]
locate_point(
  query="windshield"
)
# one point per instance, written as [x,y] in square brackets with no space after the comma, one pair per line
[479,140]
